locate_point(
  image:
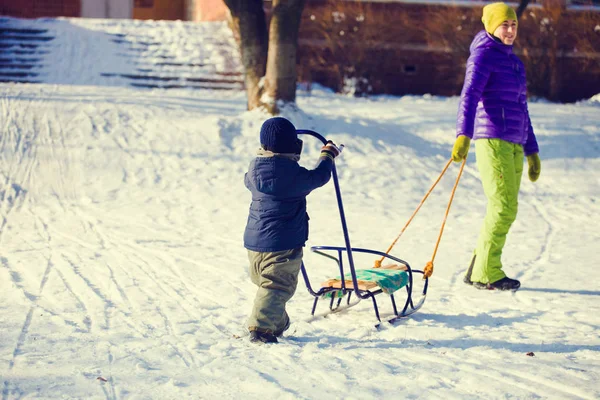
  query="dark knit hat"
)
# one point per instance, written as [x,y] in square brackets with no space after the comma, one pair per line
[279,136]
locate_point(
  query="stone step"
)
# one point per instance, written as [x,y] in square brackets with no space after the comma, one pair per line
[17,66]
[17,74]
[155,60]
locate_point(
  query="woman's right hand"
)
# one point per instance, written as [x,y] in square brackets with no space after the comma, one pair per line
[461,148]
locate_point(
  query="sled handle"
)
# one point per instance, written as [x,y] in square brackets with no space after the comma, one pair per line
[338,195]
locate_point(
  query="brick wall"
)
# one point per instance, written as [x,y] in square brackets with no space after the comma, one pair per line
[210,10]
[416,48]
[159,9]
[40,8]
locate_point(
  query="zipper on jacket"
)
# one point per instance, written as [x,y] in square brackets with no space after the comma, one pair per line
[503,119]
[525,128]
[518,75]
[523,105]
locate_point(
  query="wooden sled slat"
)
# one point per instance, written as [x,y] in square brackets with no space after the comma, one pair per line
[337,284]
[397,267]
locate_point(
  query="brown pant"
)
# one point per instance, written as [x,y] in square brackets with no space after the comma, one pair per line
[276,275]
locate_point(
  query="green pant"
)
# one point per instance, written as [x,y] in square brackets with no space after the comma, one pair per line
[500,165]
[276,275]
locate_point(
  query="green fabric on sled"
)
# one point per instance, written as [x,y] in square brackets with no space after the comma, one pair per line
[389,280]
[336,294]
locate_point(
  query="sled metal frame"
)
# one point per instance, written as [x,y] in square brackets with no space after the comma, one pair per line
[409,307]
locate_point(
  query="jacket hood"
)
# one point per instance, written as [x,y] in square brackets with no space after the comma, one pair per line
[483,40]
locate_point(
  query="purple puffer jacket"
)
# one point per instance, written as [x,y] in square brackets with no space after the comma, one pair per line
[493,102]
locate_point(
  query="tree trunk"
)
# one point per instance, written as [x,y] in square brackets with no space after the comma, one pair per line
[281,76]
[554,83]
[521,9]
[250,28]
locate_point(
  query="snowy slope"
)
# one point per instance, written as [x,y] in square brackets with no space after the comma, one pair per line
[123,274]
[121,52]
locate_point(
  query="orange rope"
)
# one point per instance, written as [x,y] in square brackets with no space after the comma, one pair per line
[378,262]
[428,270]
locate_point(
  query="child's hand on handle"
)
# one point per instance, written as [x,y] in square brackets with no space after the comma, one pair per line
[330,150]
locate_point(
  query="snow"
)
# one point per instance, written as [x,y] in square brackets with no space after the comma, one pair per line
[122,268]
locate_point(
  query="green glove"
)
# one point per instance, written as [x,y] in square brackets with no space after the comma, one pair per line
[535,166]
[461,148]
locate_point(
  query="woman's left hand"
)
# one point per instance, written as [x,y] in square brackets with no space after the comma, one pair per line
[535,166]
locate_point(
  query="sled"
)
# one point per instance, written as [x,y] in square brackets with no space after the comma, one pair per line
[393,279]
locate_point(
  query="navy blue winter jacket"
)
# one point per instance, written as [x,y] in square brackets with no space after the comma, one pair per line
[278,219]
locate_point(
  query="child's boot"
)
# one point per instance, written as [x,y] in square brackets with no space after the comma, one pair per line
[264,337]
[279,332]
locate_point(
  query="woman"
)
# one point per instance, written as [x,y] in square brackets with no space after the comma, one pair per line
[493,112]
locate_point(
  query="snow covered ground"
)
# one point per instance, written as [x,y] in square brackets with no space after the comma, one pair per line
[123,273]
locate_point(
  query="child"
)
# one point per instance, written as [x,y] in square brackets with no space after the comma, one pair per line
[277,226]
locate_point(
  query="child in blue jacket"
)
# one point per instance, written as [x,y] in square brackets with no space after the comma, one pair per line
[277,226]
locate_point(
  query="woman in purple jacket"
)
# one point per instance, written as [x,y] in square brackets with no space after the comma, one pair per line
[493,112]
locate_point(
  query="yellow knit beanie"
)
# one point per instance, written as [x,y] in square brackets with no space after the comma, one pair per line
[495,14]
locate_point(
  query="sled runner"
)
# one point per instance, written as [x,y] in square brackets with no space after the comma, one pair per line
[391,279]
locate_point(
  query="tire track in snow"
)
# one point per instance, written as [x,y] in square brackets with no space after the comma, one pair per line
[543,257]
[498,379]
[63,156]
[54,140]
[102,124]
[26,157]
[108,304]
[15,147]
[31,298]
[167,324]
[25,328]
[28,144]
[184,298]
[166,288]
[110,392]
[110,307]
[146,266]
[16,279]
[107,243]
[87,321]
[180,301]
[523,380]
